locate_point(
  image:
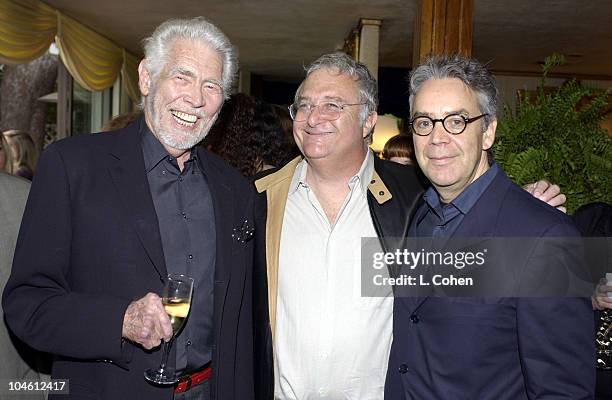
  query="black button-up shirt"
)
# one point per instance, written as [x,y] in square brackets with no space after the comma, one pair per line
[185,215]
[442,220]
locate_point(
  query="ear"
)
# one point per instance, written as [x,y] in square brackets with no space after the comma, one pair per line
[369,123]
[144,79]
[488,136]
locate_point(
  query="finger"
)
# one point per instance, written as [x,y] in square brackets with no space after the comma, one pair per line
[604,288]
[529,187]
[166,327]
[562,209]
[604,300]
[557,200]
[160,320]
[540,187]
[595,303]
[152,298]
[549,193]
[163,328]
[151,344]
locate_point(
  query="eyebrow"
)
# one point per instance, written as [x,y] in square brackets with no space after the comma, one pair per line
[187,72]
[216,82]
[426,114]
[182,71]
[324,98]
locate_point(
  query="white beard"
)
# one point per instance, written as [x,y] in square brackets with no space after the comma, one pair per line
[182,141]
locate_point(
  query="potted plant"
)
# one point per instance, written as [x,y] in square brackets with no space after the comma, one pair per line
[557,135]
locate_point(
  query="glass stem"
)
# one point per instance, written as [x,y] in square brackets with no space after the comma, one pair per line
[166,352]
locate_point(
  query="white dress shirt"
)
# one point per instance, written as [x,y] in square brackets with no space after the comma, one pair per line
[330,342]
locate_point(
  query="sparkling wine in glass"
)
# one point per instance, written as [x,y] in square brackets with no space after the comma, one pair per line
[176,300]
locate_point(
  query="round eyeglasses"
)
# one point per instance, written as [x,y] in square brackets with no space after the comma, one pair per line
[454,124]
[328,110]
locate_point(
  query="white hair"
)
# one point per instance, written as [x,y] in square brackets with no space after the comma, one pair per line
[157,45]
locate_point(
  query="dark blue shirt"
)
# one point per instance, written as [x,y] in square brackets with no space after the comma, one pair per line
[442,220]
[186,219]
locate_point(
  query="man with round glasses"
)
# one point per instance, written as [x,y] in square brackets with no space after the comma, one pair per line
[500,347]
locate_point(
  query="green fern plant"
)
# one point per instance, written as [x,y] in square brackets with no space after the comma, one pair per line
[557,137]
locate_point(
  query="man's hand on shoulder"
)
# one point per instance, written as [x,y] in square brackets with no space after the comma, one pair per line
[548,193]
[145,322]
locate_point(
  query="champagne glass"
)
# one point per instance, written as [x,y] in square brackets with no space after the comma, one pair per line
[176,300]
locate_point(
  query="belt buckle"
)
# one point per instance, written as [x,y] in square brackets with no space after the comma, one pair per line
[185,379]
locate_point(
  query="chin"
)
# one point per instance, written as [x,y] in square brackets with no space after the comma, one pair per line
[180,140]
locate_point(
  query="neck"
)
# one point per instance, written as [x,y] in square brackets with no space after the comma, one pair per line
[180,154]
[334,172]
[329,181]
[450,193]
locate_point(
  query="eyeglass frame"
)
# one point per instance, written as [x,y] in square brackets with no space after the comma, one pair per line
[441,120]
[313,106]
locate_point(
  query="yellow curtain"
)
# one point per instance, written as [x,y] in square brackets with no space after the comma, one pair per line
[129,75]
[92,60]
[27,29]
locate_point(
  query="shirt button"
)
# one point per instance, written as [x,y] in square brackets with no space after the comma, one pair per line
[164,172]
[184,215]
[191,256]
[188,343]
[414,319]
[403,368]
[322,392]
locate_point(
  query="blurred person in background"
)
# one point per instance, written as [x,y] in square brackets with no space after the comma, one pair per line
[248,135]
[287,125]
[19,361]
[19,153]
[595,220]
[120,121]
[399,149]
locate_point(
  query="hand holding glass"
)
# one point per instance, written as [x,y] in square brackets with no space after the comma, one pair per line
[176,299]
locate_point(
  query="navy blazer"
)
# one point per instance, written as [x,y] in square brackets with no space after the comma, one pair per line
[90,244]
[495,348]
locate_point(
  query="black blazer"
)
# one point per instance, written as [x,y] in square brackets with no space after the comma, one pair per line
[89,245]
[497,347]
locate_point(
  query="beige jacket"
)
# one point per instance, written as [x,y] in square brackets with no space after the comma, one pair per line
[276,186]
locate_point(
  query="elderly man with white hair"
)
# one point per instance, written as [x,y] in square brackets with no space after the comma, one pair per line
[111,216]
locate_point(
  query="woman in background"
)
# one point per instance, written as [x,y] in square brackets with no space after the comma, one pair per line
[20,153]
[248,135]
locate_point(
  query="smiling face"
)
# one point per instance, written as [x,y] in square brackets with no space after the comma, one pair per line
[451,162]
[183,101]
[341,140]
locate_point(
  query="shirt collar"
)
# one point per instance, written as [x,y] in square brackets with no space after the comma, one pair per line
[466,199]
[362,177]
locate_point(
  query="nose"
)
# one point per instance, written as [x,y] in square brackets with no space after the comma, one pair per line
[314,118]
[439,135]
[195,96]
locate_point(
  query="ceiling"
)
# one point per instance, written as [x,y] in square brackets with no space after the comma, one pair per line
[276,38]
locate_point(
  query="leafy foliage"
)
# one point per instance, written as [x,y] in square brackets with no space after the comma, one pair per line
[557,136]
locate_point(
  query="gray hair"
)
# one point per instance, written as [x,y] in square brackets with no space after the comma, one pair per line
[156,46]
[368,87]
[470,71]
